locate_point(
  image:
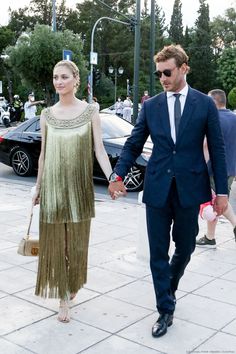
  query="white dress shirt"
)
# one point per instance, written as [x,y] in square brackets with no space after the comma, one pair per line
[171,103]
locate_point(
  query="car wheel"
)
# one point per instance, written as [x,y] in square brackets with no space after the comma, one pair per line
[21,162]
[133,181]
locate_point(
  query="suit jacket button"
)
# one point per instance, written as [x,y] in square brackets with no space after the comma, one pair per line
[174,152]
[169,170]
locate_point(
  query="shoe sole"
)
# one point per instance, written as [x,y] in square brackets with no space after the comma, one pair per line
[206,246]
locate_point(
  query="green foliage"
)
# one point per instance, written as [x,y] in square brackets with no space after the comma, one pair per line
[232,98]
[176,24]
[7,37]
[227,69]
[36,53]
[202,75]
[223,30]
[33,58]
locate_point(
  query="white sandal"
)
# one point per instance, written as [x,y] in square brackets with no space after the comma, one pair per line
[64,312]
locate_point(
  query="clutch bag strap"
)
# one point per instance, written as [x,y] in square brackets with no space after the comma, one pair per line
[30,222]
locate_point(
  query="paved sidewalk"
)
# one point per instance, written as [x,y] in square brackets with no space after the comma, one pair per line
[115,311]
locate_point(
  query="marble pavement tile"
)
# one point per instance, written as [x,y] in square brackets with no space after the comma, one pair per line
[16,279]
[139,293]
[98,257]
[4,265]
[6,244]
[221,254]
[192,281]
[203,265]
[230,328]
[108,314]
[128,265]
[11,256]
[205,311]
[18,313]
[230,275]
[102,280]
[49,336]
[117,345]
[182,336]
[33,266]
[2,294]
[118,246]
[219,289]
[220,343]
[7,347]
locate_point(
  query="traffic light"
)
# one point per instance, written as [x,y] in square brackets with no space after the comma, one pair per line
[96,77]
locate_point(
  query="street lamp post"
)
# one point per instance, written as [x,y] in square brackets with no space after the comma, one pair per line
[116,72]
[54,25]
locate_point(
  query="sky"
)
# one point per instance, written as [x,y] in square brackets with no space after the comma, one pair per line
[189,8]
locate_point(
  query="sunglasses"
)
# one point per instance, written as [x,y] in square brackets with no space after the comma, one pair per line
[166,72]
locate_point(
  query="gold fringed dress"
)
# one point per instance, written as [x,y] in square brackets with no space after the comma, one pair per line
[66,205]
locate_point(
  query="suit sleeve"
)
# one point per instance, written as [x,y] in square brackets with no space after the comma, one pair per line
[134,145]
[216,150]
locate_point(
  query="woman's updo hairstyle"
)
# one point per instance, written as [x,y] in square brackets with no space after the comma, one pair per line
[73,68]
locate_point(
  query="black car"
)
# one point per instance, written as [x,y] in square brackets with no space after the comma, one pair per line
[20,149]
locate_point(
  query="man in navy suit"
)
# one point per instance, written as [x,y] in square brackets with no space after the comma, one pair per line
[176,179]
[228,127]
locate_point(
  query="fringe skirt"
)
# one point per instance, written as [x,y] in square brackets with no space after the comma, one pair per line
[63,254]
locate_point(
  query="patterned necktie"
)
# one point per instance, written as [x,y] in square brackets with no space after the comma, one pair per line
[177,113]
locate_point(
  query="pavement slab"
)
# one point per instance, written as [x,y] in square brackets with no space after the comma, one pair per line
[114,312]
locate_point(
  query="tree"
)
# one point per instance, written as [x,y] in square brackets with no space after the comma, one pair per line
[36,53]
[226,71]
[112,41]
[176,24]
[39,11]
[232,98]
[223,30]
[201,54]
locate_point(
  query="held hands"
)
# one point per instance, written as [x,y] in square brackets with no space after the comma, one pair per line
[117,189]
[220,204]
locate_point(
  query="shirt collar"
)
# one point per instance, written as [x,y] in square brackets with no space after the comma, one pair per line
[183,92]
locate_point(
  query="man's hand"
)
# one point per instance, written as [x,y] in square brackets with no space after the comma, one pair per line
[117,189]
[220,204]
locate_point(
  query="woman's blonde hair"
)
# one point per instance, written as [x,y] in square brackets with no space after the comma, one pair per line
[73,68]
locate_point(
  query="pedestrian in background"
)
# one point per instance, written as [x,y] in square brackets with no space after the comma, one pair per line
[145,97]
[176,177]
[127,109]
[119,107]
[18,108]
[71,132]
[228,127]
[30,108]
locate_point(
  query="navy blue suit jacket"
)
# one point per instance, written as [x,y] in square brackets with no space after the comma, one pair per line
[183,160]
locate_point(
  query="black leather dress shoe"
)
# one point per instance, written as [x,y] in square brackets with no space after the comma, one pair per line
[164,321]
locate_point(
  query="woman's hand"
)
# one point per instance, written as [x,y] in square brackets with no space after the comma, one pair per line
[36,198]
[35,193]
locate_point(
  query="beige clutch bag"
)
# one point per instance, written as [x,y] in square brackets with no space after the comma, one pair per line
[28,246]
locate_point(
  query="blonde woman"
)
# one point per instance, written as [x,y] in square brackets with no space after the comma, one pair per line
[71,132]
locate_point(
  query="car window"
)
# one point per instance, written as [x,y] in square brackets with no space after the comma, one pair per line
[38,128]
[114,127]
[31,127]
[34,127]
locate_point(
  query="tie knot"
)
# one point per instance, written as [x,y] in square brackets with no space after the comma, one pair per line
[177,95]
